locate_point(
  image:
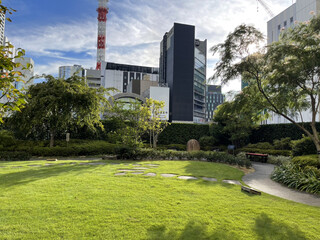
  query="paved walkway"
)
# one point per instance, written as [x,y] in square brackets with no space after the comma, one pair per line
[260,180]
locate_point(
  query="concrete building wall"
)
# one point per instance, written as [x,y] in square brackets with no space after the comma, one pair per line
[66,72]
[161,94]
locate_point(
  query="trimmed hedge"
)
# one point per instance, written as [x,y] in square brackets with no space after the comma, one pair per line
[269,133]
[14,156]
[266,151]
[181,133]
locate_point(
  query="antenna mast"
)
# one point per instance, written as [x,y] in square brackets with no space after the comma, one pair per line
[102,25]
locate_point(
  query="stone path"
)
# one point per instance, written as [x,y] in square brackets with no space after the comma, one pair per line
[260,180]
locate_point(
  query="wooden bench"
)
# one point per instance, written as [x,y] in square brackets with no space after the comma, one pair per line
[263,157]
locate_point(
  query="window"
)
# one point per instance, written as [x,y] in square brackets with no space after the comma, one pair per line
[285,23]
[291,20]
[279,27]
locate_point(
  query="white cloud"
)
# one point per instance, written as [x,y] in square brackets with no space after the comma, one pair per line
[135,32]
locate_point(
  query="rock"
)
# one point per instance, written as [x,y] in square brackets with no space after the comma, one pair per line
[193,145]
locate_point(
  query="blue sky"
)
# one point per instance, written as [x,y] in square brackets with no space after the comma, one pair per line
[63,32]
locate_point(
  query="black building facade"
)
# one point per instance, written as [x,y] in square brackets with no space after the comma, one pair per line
[183,70]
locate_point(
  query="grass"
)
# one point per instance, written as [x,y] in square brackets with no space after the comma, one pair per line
[89,202]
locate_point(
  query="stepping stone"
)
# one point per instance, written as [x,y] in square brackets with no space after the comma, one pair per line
[49,164]
[152,165]
[2,166]
[137,173]
[34,165]
[17,167]
[83,163]
[209,179]
[187,178]
[120,174]
[168,175]
[98,163]
[140,168]
[136,165]
[126,170]
[62,164]
[151,174]
[234,182]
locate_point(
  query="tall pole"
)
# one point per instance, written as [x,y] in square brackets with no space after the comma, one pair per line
[102,24]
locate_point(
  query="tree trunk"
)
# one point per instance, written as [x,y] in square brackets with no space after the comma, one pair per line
[155,140]
[52,135]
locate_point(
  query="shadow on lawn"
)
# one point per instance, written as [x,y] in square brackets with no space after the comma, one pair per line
[34,174]
[192,230]
[267,228]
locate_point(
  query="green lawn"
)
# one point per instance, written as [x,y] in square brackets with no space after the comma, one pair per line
[89,202]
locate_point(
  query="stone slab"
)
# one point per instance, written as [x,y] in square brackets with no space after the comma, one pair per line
[234,182]
[168,175]
[126,170]
[152,165]
[98,163]
[34,165]
[120,174]
[187,177]
[140,168]
[209,179]
[151,174]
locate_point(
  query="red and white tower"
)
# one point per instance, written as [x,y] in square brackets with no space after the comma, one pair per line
[102,25]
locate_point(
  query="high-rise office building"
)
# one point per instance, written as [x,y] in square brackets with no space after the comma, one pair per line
[214,98]
[183,63]
[66,72]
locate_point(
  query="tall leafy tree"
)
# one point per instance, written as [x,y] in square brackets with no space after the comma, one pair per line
[285,73]
[59,105]
[11,99]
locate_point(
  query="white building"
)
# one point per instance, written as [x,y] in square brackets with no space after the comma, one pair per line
[119,76]
[160,94]
[93,78]
[66,72]
[2,26]
[300,11]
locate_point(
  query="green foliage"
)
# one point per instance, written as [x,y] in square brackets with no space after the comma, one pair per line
[294,176]
[58,105]
[12,99]
[126,152]
[207,142]
[307,160]
[7,138]
[14,156]
[266,151]
[282,144]
[261,145]
[181,133]
[178,147]
[271,132]
[278,160]
[303,146]
[210,156]
[285,74]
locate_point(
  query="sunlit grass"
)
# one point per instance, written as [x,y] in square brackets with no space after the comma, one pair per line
[89,202]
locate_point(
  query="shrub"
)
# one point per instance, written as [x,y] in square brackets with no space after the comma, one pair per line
[178,147]
[294,176]
[307,160]
[14,156]
[278,160]
[7,138]
[260,145]
[126,152]
[283,144]
[266,151]
[207,142]
[303,146]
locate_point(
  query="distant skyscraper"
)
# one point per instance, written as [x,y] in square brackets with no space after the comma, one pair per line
[214,98]
[183,63]
[2,26]
[66,72]
[27,73]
